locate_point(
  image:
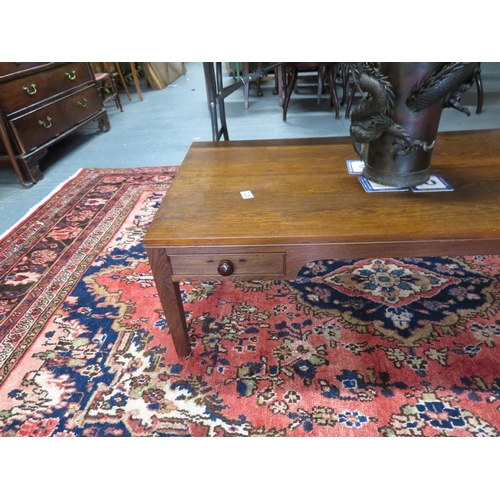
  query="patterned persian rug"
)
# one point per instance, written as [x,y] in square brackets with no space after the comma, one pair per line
[373,347]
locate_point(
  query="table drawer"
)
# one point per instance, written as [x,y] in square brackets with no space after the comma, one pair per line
[251,264]
[42,125]
[35,88]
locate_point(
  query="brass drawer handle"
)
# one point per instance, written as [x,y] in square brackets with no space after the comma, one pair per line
[43,124]
[32,91]
[83,104]
[71,75]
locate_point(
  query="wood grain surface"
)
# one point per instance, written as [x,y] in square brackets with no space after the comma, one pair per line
[303,194]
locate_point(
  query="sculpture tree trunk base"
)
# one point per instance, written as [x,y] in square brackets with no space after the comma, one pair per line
[396,178]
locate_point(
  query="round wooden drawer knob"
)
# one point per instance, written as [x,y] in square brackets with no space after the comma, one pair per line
[226,268]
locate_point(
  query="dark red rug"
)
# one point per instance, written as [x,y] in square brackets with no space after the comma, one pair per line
[380,347]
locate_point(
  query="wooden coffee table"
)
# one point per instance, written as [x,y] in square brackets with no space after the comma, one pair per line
[306,206]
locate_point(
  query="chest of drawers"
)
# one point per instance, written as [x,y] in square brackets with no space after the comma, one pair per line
[40,103]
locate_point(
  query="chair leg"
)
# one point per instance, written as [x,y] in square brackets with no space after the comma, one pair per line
[479,86]
[136,79]
[289,89]
[246,87]
[321,74]
[345,82]
[278,84]
[334,100]
[259,83]
[115,91]
[122,80]
[350,101]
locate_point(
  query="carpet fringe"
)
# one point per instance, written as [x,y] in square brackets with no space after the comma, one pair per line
[38,205]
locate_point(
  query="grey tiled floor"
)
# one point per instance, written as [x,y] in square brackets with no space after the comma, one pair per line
[159,130]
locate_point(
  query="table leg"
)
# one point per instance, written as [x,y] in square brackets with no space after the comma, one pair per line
[170,298]
[246,87]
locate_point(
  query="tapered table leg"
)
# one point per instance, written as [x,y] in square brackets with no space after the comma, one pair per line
[170,298]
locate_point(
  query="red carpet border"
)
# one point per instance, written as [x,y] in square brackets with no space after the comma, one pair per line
[380,347]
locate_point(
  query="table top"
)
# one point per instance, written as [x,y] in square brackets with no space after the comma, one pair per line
[303,194]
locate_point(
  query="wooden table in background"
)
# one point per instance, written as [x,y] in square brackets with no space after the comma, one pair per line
[306,206]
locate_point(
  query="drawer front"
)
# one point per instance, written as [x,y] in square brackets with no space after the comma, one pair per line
[252,264]
[7,68]
[29,90]
[42,125]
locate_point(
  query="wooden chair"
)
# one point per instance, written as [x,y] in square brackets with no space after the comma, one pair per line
[115,68]
[324,70]
[105,78]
